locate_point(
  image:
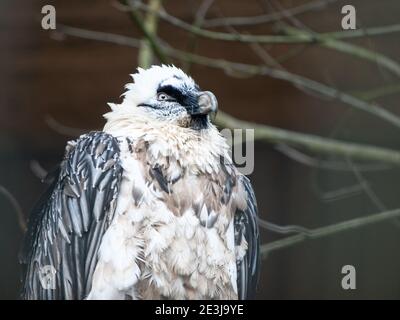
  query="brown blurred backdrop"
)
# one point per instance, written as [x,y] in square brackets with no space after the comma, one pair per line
[43,74]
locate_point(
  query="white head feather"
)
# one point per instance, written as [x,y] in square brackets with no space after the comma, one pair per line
[146,82]
[126,119]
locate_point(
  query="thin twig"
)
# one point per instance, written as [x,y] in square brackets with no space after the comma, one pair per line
[198,21]
[367,187]
[348,48]
[16,206]
[291,18]
[134,4]
[328,40]
[307,160]
[282,229]
[292,52]
[379,92]
[246,38]
[63,129]
[266,18]
[342,193]
[97,35]
[329,230]
[311,142]
[296,80]
[363,32]
[152,41]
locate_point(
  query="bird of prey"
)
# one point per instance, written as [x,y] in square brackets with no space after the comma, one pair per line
[152,207]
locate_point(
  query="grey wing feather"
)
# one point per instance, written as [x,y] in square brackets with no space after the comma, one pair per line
[67,225]
[246,226]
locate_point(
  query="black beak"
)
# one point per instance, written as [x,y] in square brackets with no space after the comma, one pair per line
[207,103]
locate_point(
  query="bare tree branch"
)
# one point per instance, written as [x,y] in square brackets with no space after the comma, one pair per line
[97,35]
[266,18]
[246,38]
[145,55]
[348,48]
[198,21]
[307,160]
[282,229]
[367,187]
[379,92]
[152,41]
[297,80]
[277,6]
[329,230]
[342,193]
[311,142]
[363,32]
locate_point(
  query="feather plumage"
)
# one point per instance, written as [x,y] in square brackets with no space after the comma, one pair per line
[67,225]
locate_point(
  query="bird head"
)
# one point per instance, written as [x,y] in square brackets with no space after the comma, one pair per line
[166,93]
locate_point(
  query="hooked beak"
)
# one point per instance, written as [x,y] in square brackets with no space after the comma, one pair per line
[207,103]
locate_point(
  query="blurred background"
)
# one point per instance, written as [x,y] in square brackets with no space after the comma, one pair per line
[54,85]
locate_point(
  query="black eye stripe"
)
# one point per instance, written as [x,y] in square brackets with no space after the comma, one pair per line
[185,99]
[171,91]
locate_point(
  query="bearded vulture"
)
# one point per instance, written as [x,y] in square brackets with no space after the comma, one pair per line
[152,207]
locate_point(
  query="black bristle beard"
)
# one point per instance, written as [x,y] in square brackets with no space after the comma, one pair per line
[199,122]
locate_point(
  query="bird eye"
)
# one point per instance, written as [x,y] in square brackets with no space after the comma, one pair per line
[164,97]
